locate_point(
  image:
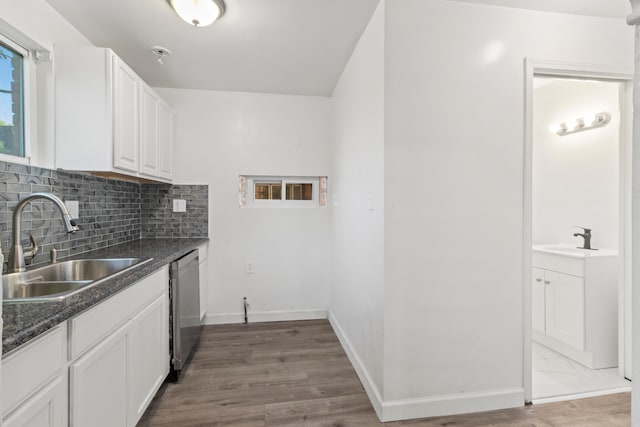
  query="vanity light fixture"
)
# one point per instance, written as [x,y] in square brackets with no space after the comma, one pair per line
[589,121]
[198,13]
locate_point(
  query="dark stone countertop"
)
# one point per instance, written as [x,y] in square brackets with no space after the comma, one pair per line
[25,321]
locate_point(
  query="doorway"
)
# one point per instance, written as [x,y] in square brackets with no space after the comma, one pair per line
[577,173]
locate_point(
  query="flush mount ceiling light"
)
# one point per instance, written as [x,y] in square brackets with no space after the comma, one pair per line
[589,121]
[198,13]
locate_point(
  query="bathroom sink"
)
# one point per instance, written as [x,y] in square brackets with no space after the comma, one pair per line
[62,279]
[563,248]
[572,251]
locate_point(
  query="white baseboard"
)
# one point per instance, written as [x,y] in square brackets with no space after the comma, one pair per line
[582,395]
[265,316]
[432,406]
[435,406]
[367,382]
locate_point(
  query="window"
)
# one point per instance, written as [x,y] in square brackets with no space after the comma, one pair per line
[12,118]
[267,191]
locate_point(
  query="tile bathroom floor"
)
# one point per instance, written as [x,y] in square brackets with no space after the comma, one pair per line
[555,375]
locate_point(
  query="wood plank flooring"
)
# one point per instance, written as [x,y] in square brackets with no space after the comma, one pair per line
[296,374]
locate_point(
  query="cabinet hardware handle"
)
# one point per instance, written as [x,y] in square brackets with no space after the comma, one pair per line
[546,282]
[538,279]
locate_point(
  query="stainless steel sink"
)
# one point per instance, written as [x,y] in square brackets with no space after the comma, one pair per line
[62,279]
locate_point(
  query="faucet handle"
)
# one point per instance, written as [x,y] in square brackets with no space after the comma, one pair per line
[33,250]
[586,230]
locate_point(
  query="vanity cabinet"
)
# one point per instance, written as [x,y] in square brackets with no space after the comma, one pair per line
[575,306]
[120,355]
[33,382]
[108,120]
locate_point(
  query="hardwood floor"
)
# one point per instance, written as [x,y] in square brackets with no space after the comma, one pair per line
[296,374]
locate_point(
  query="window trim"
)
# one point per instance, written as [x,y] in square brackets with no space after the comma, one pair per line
[27,111]
[251,201]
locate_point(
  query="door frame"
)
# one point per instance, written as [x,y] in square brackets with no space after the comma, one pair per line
[535,67]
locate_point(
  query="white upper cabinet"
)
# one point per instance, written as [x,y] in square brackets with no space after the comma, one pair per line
[126,133]
[149,131]
[107,119]
[165,141]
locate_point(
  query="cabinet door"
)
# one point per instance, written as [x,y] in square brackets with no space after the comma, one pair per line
[165,141]
[149,360]
[98,384]
[204,289]
[45,409]
[537,298]
[149,116]
[125,120]
[564,297]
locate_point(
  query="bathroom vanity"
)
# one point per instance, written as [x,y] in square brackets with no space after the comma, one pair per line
[575,303]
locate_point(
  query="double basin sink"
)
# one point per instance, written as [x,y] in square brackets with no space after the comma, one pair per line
[60,280]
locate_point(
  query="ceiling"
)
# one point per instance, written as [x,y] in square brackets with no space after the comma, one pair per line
[276,46]
[602,8]
[295,47]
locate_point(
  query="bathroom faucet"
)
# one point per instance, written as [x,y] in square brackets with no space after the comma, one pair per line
[586,236]
[17,254]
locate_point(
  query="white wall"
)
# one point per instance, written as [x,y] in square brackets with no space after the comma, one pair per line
[575,177]
[454,194]
[357,201]
[221,135]
[35,25]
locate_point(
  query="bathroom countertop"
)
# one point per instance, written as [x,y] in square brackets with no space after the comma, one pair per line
[25,321]
[574,252]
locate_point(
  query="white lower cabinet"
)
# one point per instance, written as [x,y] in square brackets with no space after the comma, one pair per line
[575,306]
[537,297]
[564,302]
[100,368]
[113,382]
[558,306]
[204,278]
[45,409]
[98,383]
[33,382]
[149,357]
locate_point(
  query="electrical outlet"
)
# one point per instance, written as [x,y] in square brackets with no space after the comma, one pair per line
[179,205]
[250,268]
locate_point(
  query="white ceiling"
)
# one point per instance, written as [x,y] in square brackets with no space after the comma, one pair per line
[275,46]
[602,8]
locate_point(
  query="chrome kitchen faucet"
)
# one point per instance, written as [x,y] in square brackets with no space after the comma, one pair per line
[17,254]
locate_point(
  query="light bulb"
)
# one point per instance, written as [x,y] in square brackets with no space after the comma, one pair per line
[589,119]
[555,128]
[572,124]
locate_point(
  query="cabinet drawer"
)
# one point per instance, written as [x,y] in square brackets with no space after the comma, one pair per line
[562,264]
[88,328]
[28,369]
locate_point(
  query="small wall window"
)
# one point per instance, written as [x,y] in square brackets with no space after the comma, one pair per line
[281,191]
[12,98]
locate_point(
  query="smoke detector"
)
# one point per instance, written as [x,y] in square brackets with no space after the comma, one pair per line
[160,52]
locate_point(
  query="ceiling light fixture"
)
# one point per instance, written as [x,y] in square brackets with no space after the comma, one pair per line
[160,52]
[589,121]
[198,13]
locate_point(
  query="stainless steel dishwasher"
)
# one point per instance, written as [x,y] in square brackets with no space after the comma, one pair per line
[184,324]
